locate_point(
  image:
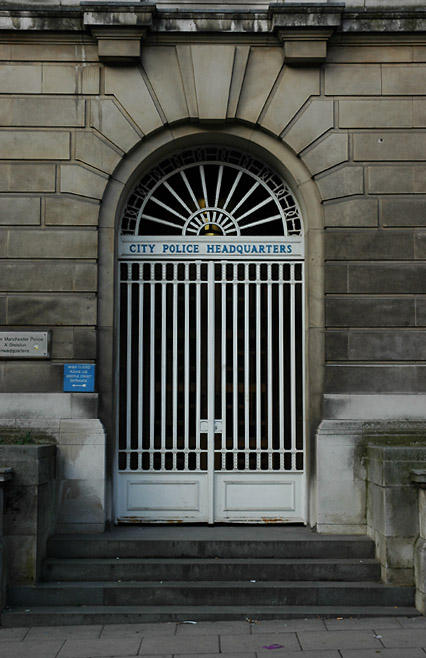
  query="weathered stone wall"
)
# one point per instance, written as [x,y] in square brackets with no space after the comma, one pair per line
[355,123]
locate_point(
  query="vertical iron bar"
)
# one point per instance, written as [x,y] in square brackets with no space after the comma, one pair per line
[152,372]
[258,372]
[281,364]
[140,373]
[186,362]
[269,348]
[129,366]
[210,385]
[175,358]
[223,329]
[198,361]
[246,368]
[163,362]
[292,367]
[235,363]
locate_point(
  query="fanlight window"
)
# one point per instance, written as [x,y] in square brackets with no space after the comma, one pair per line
[212,191]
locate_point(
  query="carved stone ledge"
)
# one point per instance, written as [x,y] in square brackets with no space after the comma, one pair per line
[305,47]
[118,29]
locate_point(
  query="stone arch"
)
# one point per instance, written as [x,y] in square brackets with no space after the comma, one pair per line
[284,161]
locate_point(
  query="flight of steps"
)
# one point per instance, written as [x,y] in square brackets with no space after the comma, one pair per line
[133,574]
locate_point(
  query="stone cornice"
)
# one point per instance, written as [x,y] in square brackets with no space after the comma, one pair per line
[278,17]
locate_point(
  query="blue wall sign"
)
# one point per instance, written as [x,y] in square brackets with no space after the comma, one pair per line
[79,377]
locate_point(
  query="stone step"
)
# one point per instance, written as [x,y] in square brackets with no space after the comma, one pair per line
[68,615]
[217,593]
[309,545]
[261,569]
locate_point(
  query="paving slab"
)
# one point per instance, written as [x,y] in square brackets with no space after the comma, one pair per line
[100,648]
[404,637]
[142,630]
[287,625]
[412,622]
[215,655]
[244,643]
[176,645]
[361,639]
[214,627]
[48,649]
[300,654]
[372,623]
[7,634]
[380,653]
[63,632]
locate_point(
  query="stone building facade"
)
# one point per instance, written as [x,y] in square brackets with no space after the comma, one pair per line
[331,97]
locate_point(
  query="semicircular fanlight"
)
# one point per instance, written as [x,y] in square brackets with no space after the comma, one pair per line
[212,191]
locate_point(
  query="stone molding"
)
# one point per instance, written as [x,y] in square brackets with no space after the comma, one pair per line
[33,18]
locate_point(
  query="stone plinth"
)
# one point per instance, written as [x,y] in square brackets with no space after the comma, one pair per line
[392,511]
[29,509]
[418,478]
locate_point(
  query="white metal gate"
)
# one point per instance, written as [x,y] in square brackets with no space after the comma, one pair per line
[211,372]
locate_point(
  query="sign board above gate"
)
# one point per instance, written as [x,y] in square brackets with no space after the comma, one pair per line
[287,248]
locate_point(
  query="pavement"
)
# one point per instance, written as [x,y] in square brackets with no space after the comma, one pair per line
[379,637]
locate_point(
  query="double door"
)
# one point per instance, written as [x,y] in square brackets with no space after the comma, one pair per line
[211,391]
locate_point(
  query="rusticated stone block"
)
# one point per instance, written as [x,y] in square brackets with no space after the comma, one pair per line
[60,79]
[343,182]
[107,119]
[387,346]
[380,113]
[49,276]
[331,151]
[402,179]
[419,113]
[369,244]
[336,275]
[370,312]
[20,79]
[27,178]
[79,180]
[52,244]
[336,346]
[387,278]
[296,86]
[84,343]
[421,312]
[263,67]
[212,90]
[95,152]
[19,210]
[130,89]
[420,245]
[76,309]
[395,146]
[400,211]
[162,68]
[70,211]
[311,124]
[25,377]
[404,79]
[352,79]
[355,212]
[34,145]
[372,378]
[41,111]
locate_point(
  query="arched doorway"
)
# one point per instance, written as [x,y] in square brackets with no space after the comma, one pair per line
[211,343]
